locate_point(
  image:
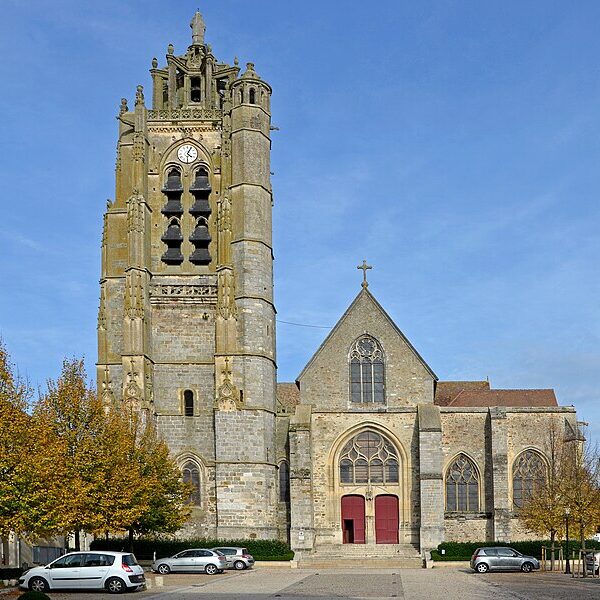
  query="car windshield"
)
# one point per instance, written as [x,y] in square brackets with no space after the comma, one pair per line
[129,560]
[245,551]
[218,552]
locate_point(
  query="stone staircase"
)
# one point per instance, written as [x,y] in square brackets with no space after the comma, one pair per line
[371,556]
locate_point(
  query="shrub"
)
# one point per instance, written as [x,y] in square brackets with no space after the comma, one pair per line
[144,548]
[33,596]
[10,573]
[464,550]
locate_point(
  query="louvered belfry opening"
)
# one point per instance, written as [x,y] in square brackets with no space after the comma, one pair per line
[173,210]
[200,210]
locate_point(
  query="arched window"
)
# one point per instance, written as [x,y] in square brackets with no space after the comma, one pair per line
[241,95]
[369,458]
[188,403]
[284,482]
[462,486]
[367,371]
[529,475]
[191,475]
[252,95]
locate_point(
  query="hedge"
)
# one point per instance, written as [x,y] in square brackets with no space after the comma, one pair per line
[144,548]
[10,573]
[464,550]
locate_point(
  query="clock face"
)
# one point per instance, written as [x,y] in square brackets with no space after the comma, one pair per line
[187,153]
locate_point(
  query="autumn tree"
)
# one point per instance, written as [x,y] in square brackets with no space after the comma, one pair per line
[543,511]
[139,488]
[26,500]
[572,485]
[72,416]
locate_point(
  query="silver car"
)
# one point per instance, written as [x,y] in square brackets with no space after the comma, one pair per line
[501,558]
[191,561]
[237,558]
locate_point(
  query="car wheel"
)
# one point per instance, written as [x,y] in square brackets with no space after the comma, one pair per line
[240,565]
[527,567]
[38,584]
[114,585]
[163,569]
[211,570]
[482,568]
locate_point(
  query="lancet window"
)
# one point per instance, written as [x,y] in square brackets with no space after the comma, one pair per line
[369,458]
[188,403]
[462,485]
[191,474]
[529,475]
[284,481]
[367,371]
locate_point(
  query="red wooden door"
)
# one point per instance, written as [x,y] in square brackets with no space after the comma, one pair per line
[353,519]
[386,519]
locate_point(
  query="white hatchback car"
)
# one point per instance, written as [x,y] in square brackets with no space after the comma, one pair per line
[115,572]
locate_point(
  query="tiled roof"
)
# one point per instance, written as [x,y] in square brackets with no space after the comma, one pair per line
[288,396]
[515,398]
[446,391]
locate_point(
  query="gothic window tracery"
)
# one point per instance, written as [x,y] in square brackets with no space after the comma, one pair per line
[191,474]
[462,485]
[367,371]
[529,475]
[252,96]
[369,458]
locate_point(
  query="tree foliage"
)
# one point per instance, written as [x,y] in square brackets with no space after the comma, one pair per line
[74,464]
[572,487]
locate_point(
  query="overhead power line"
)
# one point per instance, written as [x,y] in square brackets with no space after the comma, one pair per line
[304,325]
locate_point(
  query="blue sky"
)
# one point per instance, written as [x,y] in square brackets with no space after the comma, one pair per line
[454,145]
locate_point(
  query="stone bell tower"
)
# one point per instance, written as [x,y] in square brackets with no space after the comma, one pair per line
[186,327]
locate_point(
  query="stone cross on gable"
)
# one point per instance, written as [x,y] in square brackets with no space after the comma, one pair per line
[364,268]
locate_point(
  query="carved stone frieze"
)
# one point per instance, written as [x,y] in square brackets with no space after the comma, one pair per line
[206,114]
[200,294]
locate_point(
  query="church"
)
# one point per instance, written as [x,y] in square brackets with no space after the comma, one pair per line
[367,451]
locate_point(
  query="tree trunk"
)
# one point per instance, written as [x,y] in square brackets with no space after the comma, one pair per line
[552,538]
[77,541]
[582,539]
[130,540]
[106,535]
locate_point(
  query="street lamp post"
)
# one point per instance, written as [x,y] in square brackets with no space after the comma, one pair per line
[568,565]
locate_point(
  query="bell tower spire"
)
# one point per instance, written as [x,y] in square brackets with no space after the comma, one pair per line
[198,29]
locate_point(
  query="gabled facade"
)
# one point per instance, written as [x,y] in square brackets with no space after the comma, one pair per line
[382,453]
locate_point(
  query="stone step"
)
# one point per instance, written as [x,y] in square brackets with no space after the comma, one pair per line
[373,550]
[365,563]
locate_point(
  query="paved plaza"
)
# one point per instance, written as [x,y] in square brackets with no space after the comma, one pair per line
[404,584]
